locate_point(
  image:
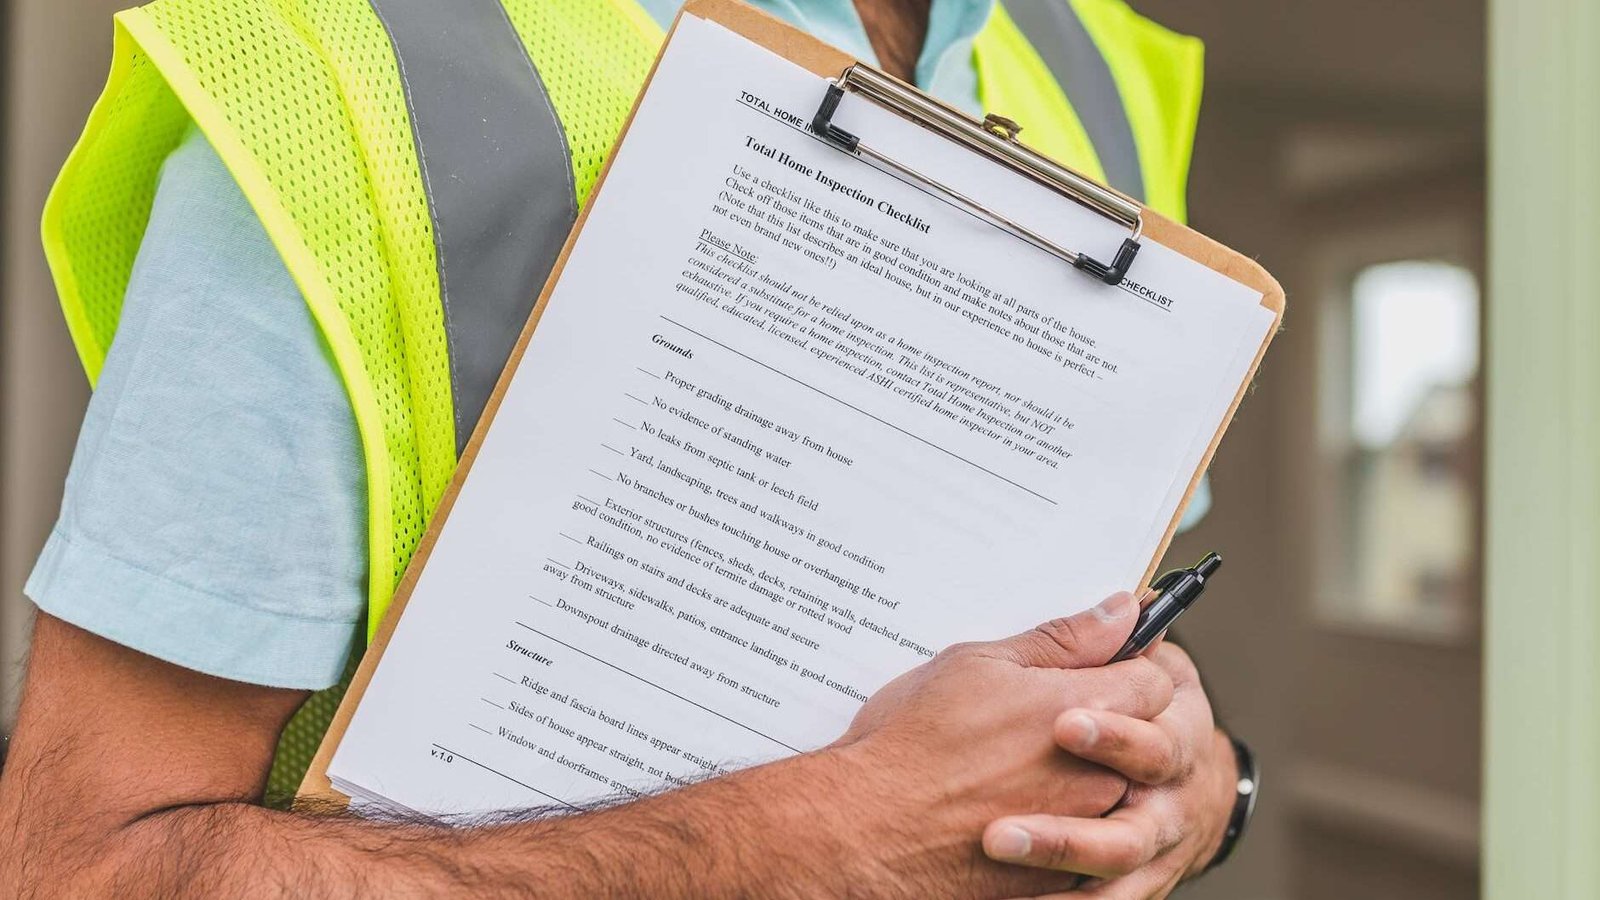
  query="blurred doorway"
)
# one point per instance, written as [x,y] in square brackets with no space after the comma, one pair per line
[1343,144]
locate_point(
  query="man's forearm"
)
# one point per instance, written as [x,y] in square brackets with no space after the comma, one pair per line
[152,794]
[756,833]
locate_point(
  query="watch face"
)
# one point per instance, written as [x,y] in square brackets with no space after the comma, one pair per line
[1249,785]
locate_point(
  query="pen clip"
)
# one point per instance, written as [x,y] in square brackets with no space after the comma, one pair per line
[1162,584]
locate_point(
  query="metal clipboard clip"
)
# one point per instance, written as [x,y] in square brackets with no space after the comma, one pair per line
[994,137]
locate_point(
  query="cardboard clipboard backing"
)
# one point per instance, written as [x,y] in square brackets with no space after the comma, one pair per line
[825,61]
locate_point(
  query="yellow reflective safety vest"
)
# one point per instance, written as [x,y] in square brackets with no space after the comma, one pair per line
[418,164]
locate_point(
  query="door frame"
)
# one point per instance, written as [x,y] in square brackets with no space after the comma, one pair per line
[1542,654]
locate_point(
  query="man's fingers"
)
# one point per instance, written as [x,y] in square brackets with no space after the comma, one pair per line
[1145,752]
[1134,687]
[1191,709]
[1175,660]
[1101,848]
[1150,882]
[1089,638]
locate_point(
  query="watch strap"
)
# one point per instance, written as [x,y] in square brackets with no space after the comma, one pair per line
[1247,788]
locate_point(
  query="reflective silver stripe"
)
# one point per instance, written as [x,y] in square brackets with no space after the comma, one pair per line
[1055,30]
[497,173]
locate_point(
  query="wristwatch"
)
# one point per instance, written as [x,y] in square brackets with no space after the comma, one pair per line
[1244,801]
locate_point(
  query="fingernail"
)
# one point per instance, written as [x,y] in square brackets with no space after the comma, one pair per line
[1081,731]
[1010,844]
[1117,606]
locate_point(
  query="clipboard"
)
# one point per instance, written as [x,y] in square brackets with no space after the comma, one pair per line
[994,137]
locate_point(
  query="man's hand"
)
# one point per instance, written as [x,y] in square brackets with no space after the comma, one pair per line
[1171,823]
[975,726]
[133,777]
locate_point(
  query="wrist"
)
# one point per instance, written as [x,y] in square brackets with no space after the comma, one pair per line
[902,834]
[829,826]
[1221,798]
[788,830]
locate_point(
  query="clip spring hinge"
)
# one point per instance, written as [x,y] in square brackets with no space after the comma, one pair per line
[1112,274]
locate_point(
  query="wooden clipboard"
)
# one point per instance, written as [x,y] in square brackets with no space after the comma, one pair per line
[828,62]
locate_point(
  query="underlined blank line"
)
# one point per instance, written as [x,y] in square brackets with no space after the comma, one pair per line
[658,687]
[845,403]
[494,771]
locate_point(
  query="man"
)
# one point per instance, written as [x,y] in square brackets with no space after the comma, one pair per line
[226,512]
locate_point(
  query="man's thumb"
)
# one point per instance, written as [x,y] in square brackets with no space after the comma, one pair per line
[1087,639]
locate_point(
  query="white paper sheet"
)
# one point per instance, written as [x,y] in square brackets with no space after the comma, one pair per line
[788,426]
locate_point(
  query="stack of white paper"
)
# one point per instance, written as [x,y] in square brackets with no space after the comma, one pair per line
[787,426]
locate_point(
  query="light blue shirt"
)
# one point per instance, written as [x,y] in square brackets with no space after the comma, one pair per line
[215,515]
[215,512]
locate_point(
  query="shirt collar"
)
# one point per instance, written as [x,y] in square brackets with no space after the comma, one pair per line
[944,68]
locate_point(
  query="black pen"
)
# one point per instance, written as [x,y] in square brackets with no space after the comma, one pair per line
[1173,593]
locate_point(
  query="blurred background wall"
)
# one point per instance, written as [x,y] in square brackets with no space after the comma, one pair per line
[56,56]
[1341,142]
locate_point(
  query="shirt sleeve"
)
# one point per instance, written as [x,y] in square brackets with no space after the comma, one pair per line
[214,514]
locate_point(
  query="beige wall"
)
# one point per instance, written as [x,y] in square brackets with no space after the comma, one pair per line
[1370,741]
[56,57]
[1326,123]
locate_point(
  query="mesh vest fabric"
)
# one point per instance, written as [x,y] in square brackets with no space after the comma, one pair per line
[1158,74]
[304,102]
[302,106]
